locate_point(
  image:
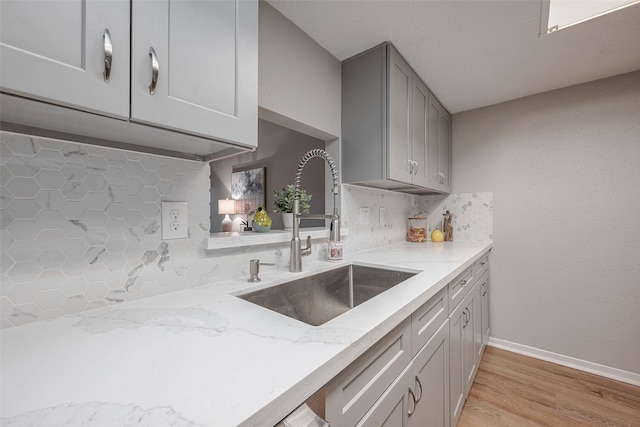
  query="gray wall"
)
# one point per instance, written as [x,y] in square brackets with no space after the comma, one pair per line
[298,81]
[564,168]
[279,150]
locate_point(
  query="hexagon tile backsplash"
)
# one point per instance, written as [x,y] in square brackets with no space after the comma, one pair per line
[80,226]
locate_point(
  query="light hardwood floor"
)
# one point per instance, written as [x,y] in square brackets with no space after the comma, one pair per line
[515,390]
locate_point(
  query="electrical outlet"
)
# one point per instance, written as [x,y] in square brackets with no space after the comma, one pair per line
[364,216]
[174,220]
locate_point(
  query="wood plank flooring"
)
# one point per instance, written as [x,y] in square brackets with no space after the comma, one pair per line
[515,390]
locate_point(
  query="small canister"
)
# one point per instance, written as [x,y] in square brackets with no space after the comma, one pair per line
[417,229]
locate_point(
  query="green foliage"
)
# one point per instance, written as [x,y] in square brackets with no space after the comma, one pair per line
[283,201]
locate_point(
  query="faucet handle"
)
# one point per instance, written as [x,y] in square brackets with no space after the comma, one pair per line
[254,269]
[307,251]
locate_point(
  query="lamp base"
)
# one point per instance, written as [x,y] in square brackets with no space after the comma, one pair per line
[226,224]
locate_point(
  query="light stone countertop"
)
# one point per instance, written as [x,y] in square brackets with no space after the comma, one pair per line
[201,356]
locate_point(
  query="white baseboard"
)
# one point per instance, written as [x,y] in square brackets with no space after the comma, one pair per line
[571,362]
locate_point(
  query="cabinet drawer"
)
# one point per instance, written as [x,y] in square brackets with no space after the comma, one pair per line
[427,319]
[459,287]
[352,393]
[481,266]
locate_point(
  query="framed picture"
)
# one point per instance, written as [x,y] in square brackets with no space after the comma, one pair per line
[248,190]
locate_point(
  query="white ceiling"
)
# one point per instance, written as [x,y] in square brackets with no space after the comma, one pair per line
[473,53]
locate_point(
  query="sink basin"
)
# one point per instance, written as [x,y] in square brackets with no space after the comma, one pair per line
[321,297]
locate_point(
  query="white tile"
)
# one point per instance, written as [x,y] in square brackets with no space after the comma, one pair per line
[23,187]
[23,293]
[50,180]
[50,160]
[52,258]
[95,182]
[23,167]
[23,230]
[23,209]
[50,299]
[74,304]
[96,201]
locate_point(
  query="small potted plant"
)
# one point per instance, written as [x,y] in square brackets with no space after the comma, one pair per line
[283,202]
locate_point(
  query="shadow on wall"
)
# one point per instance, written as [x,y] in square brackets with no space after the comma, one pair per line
[279,150]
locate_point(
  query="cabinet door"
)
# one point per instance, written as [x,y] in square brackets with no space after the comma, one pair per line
[456,363]
[469,358]
[206,57]
[55,51]
[420,134]
[444,149]
[484,290]
[351,394]
[391,409]
[431,385]
[399,111]
[439,145]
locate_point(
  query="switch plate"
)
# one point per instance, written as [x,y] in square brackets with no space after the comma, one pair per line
[384,219]
[174,220]
[364,216]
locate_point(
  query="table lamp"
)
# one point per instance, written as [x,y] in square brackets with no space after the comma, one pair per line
[226,207]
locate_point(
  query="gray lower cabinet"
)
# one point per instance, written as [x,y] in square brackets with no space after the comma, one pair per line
[419,374]
[403,380]
[187,68]
[462,356]
[386,123]
[468,331]
[419,396]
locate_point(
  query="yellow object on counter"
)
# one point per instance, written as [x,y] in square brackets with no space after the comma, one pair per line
[437,236]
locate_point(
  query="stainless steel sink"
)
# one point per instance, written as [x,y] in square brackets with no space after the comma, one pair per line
[319,298]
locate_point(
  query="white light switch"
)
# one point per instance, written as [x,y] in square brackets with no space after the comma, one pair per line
[364,216]
[384,219]
[174,220]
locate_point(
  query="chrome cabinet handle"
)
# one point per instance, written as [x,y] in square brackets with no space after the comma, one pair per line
[410,167]
[155,66]
[108,54]
[467,316]
[463,283]
[419,385]
[415,172]
[484,289]
[413,397]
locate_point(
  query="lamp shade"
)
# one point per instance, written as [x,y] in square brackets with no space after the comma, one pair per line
[226,207]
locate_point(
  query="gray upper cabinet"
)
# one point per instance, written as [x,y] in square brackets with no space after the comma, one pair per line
[63,51]
[180,75]
[206,68]
[439,146]
[386,123]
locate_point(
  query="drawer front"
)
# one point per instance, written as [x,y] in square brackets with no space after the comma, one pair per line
[481,266]
[352,393]
[427,319]
[459,287]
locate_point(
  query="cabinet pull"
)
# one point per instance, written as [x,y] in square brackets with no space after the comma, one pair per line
[410,167]
[466,316]
[419,384]
[415,171]
[108,54]
[484,288]
[412,410]
[154,71]
[463,283]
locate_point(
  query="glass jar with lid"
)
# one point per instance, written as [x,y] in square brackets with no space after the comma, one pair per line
[417,229]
